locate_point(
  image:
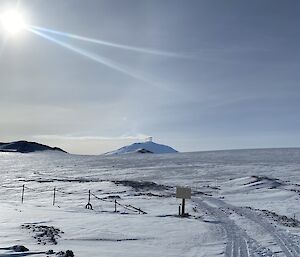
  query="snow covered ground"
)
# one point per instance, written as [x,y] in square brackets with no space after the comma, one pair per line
[245,203]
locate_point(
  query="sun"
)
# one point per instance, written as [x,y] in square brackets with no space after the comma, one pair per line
[13,21]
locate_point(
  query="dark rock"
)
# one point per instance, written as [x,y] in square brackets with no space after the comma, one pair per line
[44,234]
[141,185]
[19,248]
[142,150]
[68,253]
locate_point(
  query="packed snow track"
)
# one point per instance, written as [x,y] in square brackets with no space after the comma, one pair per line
[239,243]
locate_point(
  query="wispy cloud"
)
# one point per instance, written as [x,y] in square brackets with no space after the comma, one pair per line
[108,138]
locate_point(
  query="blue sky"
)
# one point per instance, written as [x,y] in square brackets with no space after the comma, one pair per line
[229,77]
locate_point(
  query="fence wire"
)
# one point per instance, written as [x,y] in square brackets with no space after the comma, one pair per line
[127,207]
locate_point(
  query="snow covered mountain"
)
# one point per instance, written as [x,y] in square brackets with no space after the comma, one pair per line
[26,147]
[145,147]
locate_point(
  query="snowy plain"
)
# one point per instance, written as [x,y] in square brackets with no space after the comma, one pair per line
[244,203]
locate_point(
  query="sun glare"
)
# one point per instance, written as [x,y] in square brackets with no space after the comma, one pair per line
[12,21]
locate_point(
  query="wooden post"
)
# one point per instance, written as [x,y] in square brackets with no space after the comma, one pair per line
[179,210]
[115,205]
[23,189]
[183,207]
[89,196]
[54,196]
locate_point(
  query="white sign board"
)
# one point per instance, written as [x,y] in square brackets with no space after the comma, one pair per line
[183,192]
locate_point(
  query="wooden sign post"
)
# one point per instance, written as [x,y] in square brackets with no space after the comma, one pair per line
[183,193]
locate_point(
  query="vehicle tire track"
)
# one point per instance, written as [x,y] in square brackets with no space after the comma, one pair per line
[281,238]
[239,243]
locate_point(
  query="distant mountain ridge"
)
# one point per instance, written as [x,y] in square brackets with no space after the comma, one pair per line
[146,147]
[26,147]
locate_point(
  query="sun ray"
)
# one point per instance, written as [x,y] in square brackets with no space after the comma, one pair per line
[111,44]
[100,59]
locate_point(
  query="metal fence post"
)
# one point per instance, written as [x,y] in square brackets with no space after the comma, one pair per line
[23,190]
[89,206]
[54,190]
